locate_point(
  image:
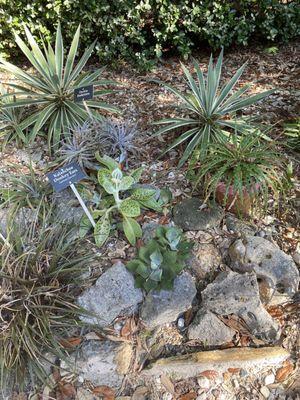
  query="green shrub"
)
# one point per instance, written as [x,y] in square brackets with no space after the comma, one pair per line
[292,133]
[142,30]
[160,260]
[210,106]
[51,88]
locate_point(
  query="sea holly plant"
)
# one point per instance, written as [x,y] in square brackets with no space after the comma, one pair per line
[161,259]
[210,108]
[122,202]
[50,89]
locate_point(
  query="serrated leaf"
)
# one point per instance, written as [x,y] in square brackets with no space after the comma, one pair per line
[102,230]
[130,208]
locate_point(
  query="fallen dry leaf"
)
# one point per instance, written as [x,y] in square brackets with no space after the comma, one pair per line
[234,370]
[67,391]
[283,372]
[140,393]
[167,383]
[71,342]
[210,374]
[188,396]
[105,391]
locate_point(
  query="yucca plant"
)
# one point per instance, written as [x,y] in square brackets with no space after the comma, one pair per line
[10,119]
[210,107]
[240,172]
[50,88]
[40,276]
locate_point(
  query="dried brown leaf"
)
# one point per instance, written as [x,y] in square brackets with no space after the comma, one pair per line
[283,372]
[105,391]
[210,374]
[167,383]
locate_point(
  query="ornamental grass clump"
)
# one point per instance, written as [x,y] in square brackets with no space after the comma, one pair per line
[241,172]
[50,88]
[40,275]
[210,108]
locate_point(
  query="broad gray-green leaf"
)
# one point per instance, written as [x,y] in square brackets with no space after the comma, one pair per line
[156,259]
[142,194]
[130,208]
[132,230]
[126,183]
[102,230]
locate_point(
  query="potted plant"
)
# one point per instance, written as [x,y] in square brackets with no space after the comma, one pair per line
[241,172]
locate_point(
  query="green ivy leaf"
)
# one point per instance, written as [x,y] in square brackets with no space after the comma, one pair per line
[156,275]
[102,230]
[130,208]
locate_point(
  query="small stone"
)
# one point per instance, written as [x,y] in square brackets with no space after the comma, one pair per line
[113,294]
[265,392]
[164,306]
[180,323]
[206,258]
[203,382]
[235,383]
[243,373]
[269,379]
[239,227]
[191,217]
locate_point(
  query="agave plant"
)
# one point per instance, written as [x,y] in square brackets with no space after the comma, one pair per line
[51,87]
[210,107]
[241,171]
[10,118]
[117,139]
[39,279]
[80,144]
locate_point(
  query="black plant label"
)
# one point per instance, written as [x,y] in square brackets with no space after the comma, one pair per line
[84,93]
[66,176]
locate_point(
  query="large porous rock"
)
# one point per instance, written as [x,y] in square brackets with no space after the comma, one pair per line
[209,329]
[205,259]
[190,215]
[21,220]
[269,263]
[162,307]
[3,222]
[234,293]
[252,360]
[112,295]
[101,362]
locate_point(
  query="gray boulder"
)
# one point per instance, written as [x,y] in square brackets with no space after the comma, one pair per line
[101,362]
[209,329]
[268,262]
[162,307]
[234,293]
[205,259]
[191,217]
[112,295]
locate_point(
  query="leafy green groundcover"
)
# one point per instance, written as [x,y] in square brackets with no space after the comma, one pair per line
[142,30]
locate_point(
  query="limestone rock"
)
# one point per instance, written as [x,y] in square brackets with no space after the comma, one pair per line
[205,260]
[101,362]
[267,261]
[253,360]
[162,307]
[189,216]
[234,293]
[209,329]
[112,295]
[241,228]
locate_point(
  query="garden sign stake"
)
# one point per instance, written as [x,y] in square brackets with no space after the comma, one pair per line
[67,176]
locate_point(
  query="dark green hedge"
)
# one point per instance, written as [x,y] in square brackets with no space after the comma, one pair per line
[139,30]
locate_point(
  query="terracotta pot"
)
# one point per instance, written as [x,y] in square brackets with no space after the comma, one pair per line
[234,202]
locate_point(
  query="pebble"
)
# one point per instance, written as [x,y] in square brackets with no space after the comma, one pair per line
[180,323]
[167,396]
[265,392]
[202,396]
[235,383]
[243,373]
[203,382]
[269,379]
